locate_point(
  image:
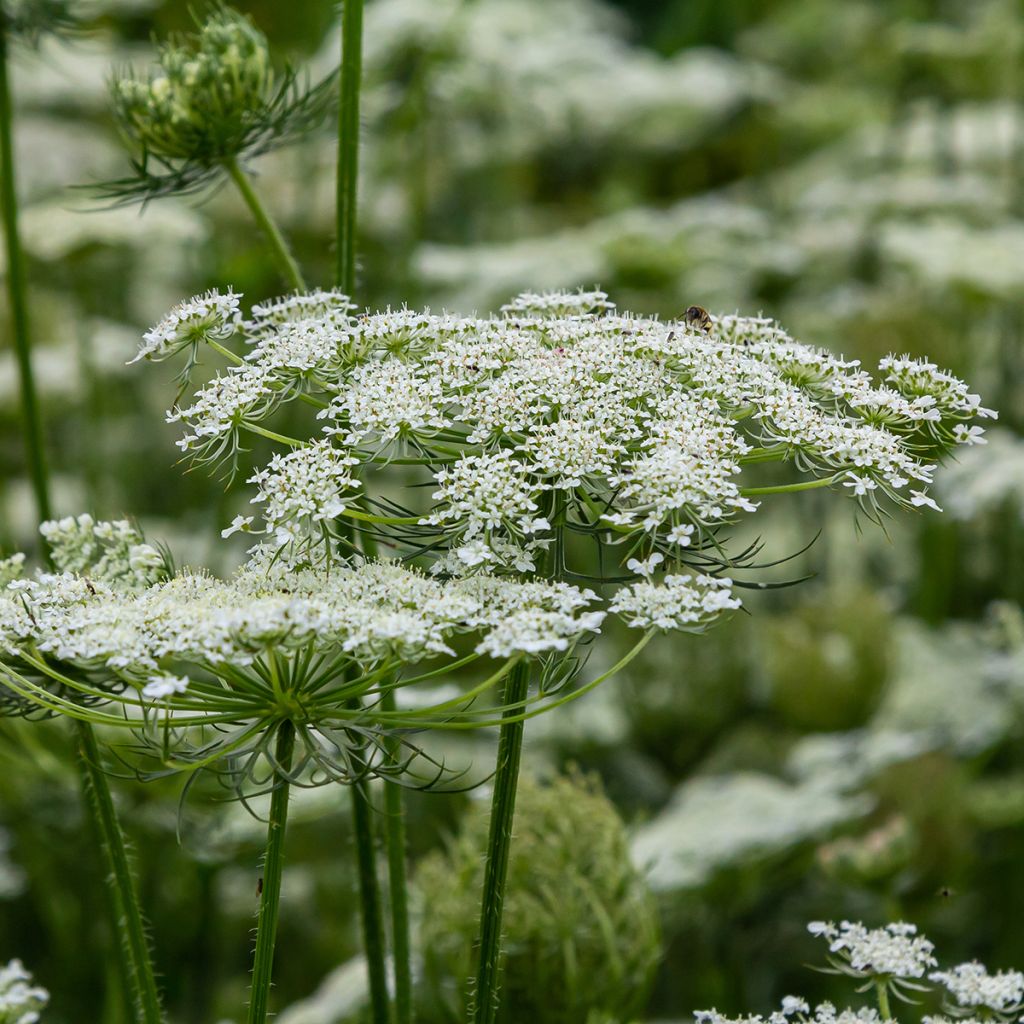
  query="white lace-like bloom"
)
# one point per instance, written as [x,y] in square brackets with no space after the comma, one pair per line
[894,951]
[563,411]
[794,1007]
[20,1000]
[677,602]
[310,485]
[972,987]
[199,319]
[317,304]
[164,685]
[244,392]
[379,610]
[578,303]
[486,492]
[111,551]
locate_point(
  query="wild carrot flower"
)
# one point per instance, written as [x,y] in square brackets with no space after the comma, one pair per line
[20,1000]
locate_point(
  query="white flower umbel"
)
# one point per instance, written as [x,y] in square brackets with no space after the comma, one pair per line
[204,318]
[795,1009]
[972,989]
[562,415]
[893,951]
[20,1001]
[274,642]
[890,960]
[110,551]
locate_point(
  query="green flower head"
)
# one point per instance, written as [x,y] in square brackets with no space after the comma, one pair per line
[214,97]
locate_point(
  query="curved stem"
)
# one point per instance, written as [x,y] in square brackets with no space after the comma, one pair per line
[369,900]
[499,846]
[270,896]
[286,262]
[348,141]
[17,297]
[144,996]
[397,883]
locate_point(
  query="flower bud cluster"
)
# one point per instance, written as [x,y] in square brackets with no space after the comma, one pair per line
[112,552]
[204,94]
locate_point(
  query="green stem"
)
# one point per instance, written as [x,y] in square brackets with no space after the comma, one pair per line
[369,900]
[806,485]
[348,141]
[270,896]
[499,845]
[286,262]
[139,968]
[883,1000]
[17,290]
[395,815]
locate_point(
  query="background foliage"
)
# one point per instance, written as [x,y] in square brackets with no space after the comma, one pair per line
[852,748]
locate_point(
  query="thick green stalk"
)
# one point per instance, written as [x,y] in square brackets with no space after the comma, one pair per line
[499,846]
[369,901]
[17,296]
[348,141]
[285,261]
[144,994]
[397,882]
[270,894]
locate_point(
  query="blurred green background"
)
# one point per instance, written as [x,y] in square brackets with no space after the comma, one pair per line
[853,746]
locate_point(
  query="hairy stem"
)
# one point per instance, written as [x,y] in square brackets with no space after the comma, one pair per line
[499,845]
[348,141]
[397,882]
[369,901]
[139,968]
[270,895]
[18,298]
[282,254]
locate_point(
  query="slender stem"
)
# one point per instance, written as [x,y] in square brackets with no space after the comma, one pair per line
[806,485]
[270,896]
[499,845]
[369,900]
[144,996]
[883,1000]
[398,886]
[17,296]
[348,141]
[286,262]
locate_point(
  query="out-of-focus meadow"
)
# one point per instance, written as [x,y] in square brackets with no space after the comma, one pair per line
[853,747]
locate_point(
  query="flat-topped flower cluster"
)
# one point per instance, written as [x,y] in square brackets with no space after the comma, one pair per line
[891,959]
[320,646]
[559,415]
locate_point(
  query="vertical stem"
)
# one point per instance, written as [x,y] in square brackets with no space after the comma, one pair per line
[369,900]
[17,294]
[348,141]
[270,896]
[133,932]
[499,845]
[397,884]
[883,1000]
[285,261]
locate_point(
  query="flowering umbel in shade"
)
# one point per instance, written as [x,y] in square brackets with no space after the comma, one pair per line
[214,97]
[20,1000]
